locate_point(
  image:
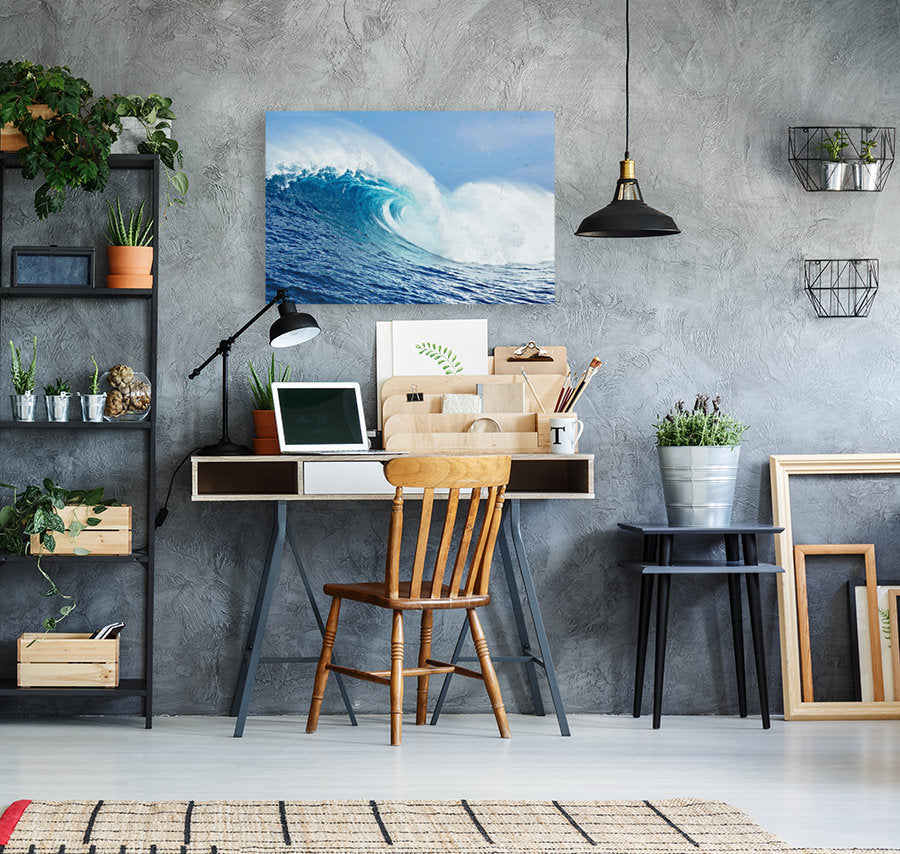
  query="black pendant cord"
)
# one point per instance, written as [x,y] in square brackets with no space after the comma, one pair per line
[627,87]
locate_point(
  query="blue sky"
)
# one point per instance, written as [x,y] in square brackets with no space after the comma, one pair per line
[454,147]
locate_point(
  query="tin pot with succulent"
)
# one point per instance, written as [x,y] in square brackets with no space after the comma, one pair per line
[865,171]
[57,396]
[24,384]
[834,169]
[93,402]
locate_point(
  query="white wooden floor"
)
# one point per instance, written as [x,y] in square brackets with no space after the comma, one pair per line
[834,784]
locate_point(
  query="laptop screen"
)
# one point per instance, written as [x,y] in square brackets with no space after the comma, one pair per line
[319,417]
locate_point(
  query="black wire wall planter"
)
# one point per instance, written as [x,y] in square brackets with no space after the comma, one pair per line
[841,288]
[865,156]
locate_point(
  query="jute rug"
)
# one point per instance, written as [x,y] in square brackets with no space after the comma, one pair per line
[684,826]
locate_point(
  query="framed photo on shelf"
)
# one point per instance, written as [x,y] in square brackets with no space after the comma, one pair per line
[52,266]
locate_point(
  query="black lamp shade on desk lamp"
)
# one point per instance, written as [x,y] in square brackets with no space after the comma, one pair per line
[292,327]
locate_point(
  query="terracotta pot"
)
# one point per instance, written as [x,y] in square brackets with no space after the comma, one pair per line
[264,424]
[129,282]
[266,446]
[130,260]
[11,139]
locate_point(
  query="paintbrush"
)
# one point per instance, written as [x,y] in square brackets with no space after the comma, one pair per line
[530,386]
[586,378]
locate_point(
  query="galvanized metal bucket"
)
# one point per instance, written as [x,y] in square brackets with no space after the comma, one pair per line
[698,484]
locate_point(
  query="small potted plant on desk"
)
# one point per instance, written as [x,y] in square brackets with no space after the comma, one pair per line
[24,384]
[698,451]
[57,399]
[93,402]
[266,440]
[865,173]
[129,253]
[834,169]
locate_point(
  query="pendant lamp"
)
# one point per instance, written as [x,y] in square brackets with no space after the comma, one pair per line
[627,215]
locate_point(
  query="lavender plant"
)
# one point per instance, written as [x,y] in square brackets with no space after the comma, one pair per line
[706,424]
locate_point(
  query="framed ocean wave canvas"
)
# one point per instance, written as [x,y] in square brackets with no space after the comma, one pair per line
[410,207]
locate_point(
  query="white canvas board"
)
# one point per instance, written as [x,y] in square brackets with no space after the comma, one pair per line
[865,653]
[439,347]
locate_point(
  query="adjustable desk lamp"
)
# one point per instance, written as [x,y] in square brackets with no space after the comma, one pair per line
[292,327]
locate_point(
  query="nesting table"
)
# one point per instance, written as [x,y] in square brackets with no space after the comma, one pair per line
[657,563]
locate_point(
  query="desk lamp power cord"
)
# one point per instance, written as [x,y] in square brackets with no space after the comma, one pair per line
[164,510]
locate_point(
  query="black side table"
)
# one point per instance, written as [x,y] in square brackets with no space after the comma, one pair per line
[658,563]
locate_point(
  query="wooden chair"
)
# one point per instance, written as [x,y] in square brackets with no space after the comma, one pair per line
[467,587]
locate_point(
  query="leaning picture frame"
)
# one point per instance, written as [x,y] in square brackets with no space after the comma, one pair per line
[782,468]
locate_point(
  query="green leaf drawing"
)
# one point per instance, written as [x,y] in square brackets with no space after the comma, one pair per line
[443,355]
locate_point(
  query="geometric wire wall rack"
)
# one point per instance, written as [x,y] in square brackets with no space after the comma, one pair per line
[808,159]
[841,288]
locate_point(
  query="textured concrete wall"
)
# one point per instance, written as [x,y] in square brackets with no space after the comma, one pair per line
[720,308]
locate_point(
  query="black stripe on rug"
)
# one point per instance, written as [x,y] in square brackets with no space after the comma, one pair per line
[384,831]
[90,825]
[187,824]
[574,823]
[672,824]
[285,832]
[476,822]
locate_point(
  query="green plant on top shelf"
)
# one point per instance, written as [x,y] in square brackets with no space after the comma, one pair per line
[867,146]
[704,425]
[23,379]
[262,391]
[834,146]
[155,113]
[35,511]
[69,144]
[134,233]
[59,387]
[95,378]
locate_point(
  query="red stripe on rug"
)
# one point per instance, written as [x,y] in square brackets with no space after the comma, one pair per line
[10,819]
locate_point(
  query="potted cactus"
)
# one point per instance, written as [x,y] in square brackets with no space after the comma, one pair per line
[129,252]
[24,384]
[57,397]
[834,169]
[698,453]
[266,440]
[865,172]
[93,402]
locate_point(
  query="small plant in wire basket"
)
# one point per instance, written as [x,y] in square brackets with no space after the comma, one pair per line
[703,425]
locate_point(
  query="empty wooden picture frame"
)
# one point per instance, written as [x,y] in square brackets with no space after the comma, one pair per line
[893,608]
[867,550]
[782,468]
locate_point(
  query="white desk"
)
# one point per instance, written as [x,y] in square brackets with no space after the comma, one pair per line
[346,477]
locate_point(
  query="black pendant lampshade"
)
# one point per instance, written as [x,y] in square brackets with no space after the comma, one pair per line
[627,215]
[292,327]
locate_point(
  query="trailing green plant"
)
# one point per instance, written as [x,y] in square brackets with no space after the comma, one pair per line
[262,390]
[69,149]
[95,378]
[705,424]
[155,113]
[135,233]
[59,387]
[444,356]
[35,511]
[834,145]
[23,380]
[867,146]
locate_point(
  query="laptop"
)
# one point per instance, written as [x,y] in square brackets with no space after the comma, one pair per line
[320,418]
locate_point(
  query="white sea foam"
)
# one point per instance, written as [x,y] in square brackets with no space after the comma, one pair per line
[482,222]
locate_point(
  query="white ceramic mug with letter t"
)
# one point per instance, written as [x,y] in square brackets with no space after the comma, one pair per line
[564,434]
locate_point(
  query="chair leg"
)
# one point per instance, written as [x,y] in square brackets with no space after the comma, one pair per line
[487,671]
[315,706]
[396,677]
[424,655]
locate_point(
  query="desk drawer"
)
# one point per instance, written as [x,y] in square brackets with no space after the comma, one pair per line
[350,477]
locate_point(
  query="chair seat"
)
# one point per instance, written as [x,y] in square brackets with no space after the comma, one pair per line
[373,594]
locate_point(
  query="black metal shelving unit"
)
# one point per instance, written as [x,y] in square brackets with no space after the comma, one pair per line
[142,687]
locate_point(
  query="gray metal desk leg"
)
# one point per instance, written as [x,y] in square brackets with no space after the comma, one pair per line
[535,608]
[267,581]
[317,614]
[527,658]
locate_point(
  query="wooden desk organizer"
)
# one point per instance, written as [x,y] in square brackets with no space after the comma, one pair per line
[111,537]
[421,427]
[67,660]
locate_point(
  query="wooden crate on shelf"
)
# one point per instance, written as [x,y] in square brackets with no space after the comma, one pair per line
[111,537]
[67,660]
